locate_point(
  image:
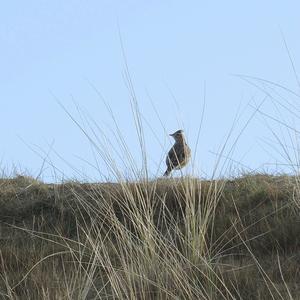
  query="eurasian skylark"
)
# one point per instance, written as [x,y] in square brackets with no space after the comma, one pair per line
[179,154]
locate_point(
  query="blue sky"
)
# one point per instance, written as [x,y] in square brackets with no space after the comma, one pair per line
[58,49]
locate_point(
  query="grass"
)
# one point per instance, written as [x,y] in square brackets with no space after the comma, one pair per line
[145,238]
[162,239]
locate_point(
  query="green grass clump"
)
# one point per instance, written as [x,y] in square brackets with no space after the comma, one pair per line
[163,239]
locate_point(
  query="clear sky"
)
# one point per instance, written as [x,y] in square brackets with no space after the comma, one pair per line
[179,50]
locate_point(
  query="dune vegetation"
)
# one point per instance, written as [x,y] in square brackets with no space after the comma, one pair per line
[225,237]
[162,239]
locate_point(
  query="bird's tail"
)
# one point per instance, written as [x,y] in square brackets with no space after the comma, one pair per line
[167,173]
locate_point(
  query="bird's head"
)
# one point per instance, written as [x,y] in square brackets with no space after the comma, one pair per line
[178,135]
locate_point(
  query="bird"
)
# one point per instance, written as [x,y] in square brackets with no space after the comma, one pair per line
[179,154]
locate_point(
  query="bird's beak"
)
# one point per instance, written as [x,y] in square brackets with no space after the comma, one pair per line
[171,134]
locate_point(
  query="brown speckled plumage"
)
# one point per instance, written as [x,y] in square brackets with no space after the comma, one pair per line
[179,154]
